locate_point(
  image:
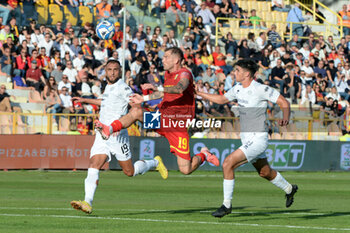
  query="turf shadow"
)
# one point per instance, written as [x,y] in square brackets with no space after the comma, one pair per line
[324,215]
[204,210]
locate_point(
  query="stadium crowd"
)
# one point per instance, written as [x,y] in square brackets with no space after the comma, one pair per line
[60,62]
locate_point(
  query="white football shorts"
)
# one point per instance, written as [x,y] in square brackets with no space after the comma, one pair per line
[117,146]
[254,146]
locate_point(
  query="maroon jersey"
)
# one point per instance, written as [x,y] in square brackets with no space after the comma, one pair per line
[178,106]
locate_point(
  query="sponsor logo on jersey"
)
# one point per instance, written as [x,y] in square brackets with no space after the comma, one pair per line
[345,157]
[286,155]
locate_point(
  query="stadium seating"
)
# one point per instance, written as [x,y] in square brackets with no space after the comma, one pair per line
[85,15]
[42,8]
[55,13]
[7,85]
[3,79]
[70,17]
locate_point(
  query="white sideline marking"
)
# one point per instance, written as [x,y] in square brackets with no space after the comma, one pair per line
[177,221]
[155,210]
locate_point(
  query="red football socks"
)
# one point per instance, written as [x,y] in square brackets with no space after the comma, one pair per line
[202,155]
[116,125]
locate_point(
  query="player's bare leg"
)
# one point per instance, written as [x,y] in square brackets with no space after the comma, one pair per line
[95,164]
[186,167]
[135,113]
[231,162]
[265,171]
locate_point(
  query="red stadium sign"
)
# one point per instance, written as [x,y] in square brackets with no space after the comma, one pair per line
[45,151]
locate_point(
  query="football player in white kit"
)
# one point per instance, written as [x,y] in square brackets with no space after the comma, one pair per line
[114,104]
[252,98]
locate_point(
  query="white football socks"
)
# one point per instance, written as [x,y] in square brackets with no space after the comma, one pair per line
[280,182]
[142,166]
[91,184]
[228,192]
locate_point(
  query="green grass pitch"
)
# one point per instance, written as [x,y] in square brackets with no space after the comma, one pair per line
[38,201]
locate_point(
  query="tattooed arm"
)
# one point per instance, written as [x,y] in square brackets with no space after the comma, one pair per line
[179,87]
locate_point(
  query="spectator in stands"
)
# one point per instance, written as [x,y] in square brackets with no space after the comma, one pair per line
[207,59]
[96,89]
[103,11]
[58,28]
[100,52]
[220,61]
[253,46]
[47,43]
[264,63]
[57,73]
[292,84]
[66,99]
[244,50]
[72,74]
[5,105]
[287,59]
[305,50]
[64,83]
[51,85]
[210,77]
[53,104]
[295,16]
[308,97]
[153,77]
[320,69]
[346,72]
[331,72]
[256,21]
[21,63]
[342,87]
[34,77]
[333,94]
[140,43]
[327,110]
[295,41]
[345,14]
[231,46]
[245,22]
[7,62]
[46,63]
[277,74]
[5,10]
[136,67]
[273,37]
[320,51]
[226,8]
[261,40]
[79,61]
[206,14]
[278,5]
[319,95]
[83,88]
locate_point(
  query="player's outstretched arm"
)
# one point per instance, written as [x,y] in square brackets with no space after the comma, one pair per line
[138,99]
[87,101]
[218,99]
[285,106]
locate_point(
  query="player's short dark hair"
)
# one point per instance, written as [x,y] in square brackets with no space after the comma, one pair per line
[248,65]
[176,51]
[112,61]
